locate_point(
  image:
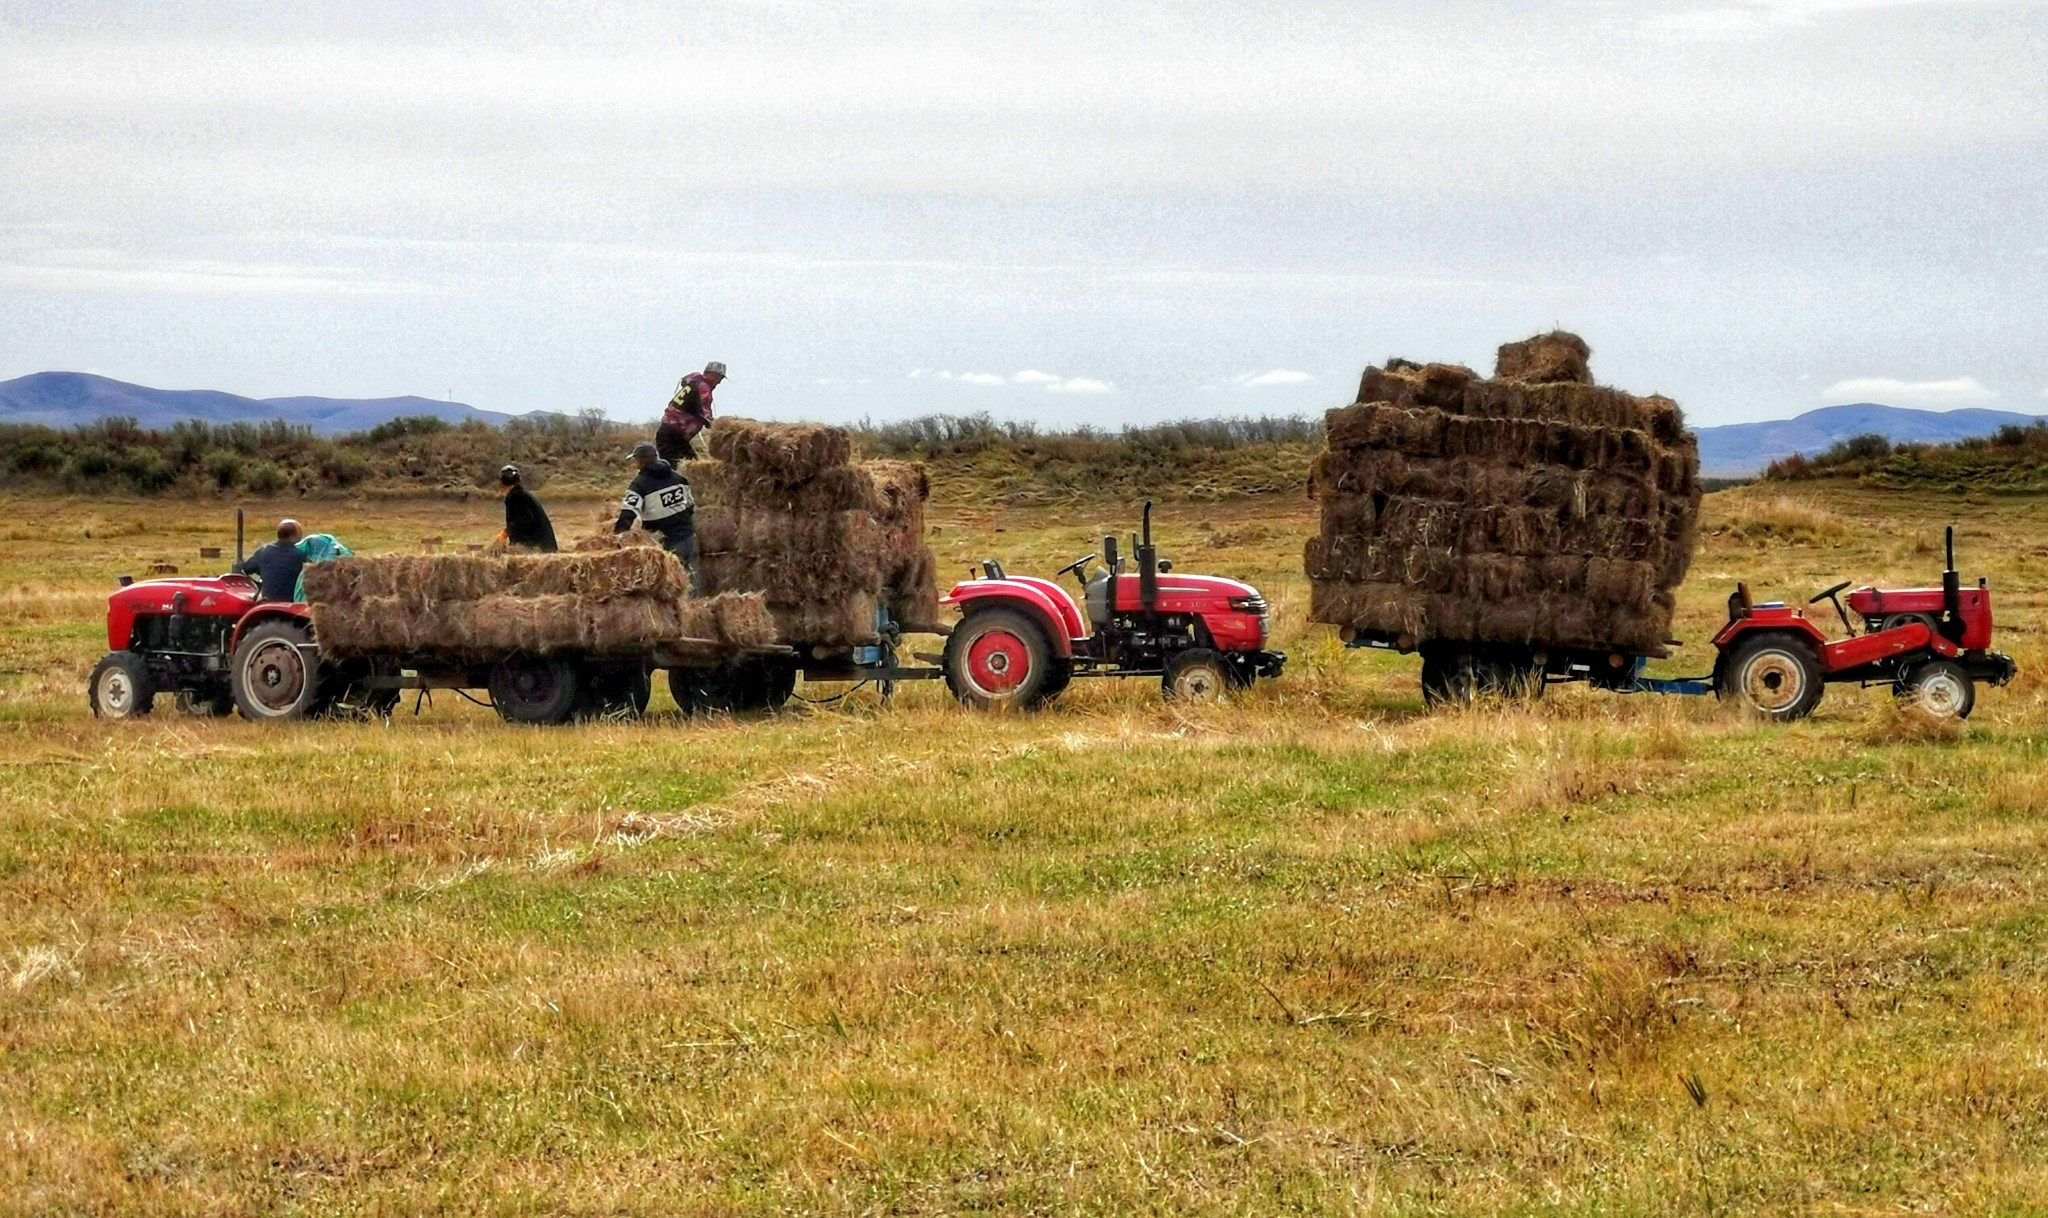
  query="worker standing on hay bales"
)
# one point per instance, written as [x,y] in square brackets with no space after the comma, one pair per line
[276,564]
[318,548]
[688,413]
[660,498]
[526,521]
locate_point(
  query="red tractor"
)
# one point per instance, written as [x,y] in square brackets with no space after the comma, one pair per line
[218,648]
[1021,640]
[1930,645]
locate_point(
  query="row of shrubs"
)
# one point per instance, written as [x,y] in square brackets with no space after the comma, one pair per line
[2014,458]
[426,454]
[273,458]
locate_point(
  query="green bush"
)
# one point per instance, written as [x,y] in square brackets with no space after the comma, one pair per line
[266,478]
[225,467]
[400,428]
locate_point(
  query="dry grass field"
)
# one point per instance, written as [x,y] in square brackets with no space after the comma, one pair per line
[1311,951]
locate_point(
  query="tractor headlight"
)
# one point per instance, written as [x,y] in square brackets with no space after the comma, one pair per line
[1249,604]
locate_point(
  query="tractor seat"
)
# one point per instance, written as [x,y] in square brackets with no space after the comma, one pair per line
[1097,598]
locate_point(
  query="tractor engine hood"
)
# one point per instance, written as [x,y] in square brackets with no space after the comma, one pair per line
[212,597]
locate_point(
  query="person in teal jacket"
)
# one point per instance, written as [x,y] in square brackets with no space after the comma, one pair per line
[317,548]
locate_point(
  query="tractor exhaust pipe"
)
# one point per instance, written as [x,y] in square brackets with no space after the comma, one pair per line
[1148,565]
[1951,583]
[238,537]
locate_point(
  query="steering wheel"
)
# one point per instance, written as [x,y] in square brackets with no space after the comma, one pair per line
[1818,597]
[1076,565]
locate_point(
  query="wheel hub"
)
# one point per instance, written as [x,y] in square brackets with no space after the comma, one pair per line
[117,692]
[998,662]
[279,675]
[1773,681]
[1941,696]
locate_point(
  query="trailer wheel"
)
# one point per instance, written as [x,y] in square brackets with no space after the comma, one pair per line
[276,674]
[748,685]
[1942,688]
[120,687]
[1196,675]
[1777,676]
[1460,676]
[535,689]
[999,658]
[617,691]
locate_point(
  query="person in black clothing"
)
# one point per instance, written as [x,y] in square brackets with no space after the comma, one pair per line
[526,522]
[277,564]
[661,500]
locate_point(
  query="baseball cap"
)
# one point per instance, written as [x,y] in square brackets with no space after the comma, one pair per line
[714,368]
[643,449]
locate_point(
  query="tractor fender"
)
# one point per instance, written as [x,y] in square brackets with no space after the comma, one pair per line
[275,611]
[1022,595]
[1789,623]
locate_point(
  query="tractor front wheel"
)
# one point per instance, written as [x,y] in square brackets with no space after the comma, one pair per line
[1000,658]
[120,687]
[1777,676]
[1196,675]
[276,674]
[1942,688]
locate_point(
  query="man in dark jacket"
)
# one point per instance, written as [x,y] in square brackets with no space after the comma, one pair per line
[661,500]
[688,413]
[526,522]
[276,564]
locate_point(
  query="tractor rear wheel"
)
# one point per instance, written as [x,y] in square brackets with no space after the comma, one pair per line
[1942,688]
[276,674]
[1778,676]
[1198,674]
[536,689]
[999,658]
[120,687]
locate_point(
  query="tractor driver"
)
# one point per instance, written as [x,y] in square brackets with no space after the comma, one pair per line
[661,499]
[276,565]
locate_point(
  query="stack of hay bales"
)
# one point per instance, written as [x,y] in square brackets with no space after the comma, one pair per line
[612,602]
[1533,508]
[784,510]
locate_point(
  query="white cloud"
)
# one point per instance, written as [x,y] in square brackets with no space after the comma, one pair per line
[1081,384]
[1755,18]
[1278,376]
[1032,376]
[980,378]
[1934,395]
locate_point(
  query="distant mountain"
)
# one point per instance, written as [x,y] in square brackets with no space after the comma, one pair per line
[68,399]
[1740,450]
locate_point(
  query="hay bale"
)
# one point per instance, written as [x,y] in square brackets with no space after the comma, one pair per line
[1556,356]
[635,536]
[842,488]
[599,575]
[913,591]
[829,556]
[792,453]
[849,622]
[1543,509]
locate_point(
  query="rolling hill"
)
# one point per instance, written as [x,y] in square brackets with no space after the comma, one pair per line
[68,399]
[1740,450]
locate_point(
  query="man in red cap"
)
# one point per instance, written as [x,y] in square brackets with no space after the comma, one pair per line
[688,413]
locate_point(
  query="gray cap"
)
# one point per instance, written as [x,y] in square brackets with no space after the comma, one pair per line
[714,368]
[644,449]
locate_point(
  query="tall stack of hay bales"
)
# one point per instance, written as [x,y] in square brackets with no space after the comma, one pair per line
[1532,508]
[612,602]
[784,510]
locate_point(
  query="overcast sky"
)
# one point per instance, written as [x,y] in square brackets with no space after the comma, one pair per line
[1067,211]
